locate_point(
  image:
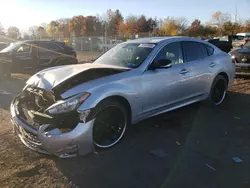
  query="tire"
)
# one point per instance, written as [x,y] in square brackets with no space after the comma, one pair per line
[218,91]
[111,121]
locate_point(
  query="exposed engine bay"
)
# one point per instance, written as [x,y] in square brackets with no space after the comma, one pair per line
[64,134]
[32,105]
[33,101]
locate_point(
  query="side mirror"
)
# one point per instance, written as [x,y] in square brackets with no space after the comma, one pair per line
[161,63]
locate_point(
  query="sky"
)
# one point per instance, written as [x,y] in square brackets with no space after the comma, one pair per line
[26,13]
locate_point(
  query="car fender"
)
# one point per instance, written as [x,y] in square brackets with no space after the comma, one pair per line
[105,91]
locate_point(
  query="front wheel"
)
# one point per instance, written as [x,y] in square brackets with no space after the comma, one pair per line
[218,90]
[111,120]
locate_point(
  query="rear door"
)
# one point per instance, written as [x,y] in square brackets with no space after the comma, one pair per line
[198,64]
[47,52]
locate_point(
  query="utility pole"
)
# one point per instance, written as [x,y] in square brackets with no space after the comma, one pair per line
[236,14]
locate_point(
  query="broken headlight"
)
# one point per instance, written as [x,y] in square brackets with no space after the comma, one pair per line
[67,105]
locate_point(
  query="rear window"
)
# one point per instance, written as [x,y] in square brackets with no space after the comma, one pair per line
[194,51]
[44,46]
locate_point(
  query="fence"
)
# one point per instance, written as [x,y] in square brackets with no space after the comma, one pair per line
[91,44]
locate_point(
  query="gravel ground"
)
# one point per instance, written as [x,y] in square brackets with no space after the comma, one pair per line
[190,147]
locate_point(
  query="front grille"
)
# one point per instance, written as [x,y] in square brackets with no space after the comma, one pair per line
[25,116]
[33,100]
[246,57]
[30,140]
[29,137]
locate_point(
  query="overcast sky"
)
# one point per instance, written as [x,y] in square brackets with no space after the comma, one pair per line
[25,13]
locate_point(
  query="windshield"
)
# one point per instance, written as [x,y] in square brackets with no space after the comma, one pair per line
[130,55]
[11,47]
[247,45]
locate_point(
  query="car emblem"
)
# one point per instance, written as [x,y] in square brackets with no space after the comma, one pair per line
[244,60]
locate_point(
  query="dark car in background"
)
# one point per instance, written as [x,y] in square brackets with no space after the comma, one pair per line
[3,45]
[241,57]
[225,46]
[32,56]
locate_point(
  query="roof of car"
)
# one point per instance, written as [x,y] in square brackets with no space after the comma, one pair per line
[155,40]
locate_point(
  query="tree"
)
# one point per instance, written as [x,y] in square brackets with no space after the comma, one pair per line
[152,23]
[112,21]
[13,32]
[26,36]
[142,24]
[219,18]
[41,32]
[92,26]
[169,27]
[246,26]
[129,27]
[182,24]
[229,28]
[52,29]
[195,28]
[122,29]
[209,31]
[32,32]
[77,25]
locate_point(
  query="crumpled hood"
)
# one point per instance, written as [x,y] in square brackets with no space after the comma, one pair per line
[51,77]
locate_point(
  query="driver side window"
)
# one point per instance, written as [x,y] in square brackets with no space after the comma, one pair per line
[24,48]
[172,52]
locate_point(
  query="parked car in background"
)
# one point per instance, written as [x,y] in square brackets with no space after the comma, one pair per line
[3,45]
[241,56]
[225,46]
[32,55]
[239,39]
[69,110]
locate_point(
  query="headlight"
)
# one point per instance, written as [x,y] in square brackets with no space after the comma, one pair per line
[67,105]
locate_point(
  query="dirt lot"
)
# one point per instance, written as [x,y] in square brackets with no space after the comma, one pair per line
[193,148]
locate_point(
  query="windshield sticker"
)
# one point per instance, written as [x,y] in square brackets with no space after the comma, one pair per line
[146,46]
[129,45]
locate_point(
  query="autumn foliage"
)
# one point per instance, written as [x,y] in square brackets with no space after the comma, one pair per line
[114,24]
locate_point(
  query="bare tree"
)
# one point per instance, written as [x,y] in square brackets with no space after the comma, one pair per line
[13,32]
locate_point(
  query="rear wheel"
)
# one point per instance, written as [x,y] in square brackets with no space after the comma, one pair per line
[218,90]
[111,120]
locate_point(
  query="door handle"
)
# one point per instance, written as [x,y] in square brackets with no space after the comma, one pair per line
[183,71]
[212,64]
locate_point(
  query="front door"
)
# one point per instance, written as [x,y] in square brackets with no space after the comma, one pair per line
[23,59]
[163,87]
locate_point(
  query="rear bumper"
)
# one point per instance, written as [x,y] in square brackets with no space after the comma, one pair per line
[64,145]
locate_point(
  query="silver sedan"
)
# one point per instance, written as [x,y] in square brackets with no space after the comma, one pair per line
[71,110]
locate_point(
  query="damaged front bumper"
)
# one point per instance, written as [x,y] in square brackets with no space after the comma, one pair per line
[48,140]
